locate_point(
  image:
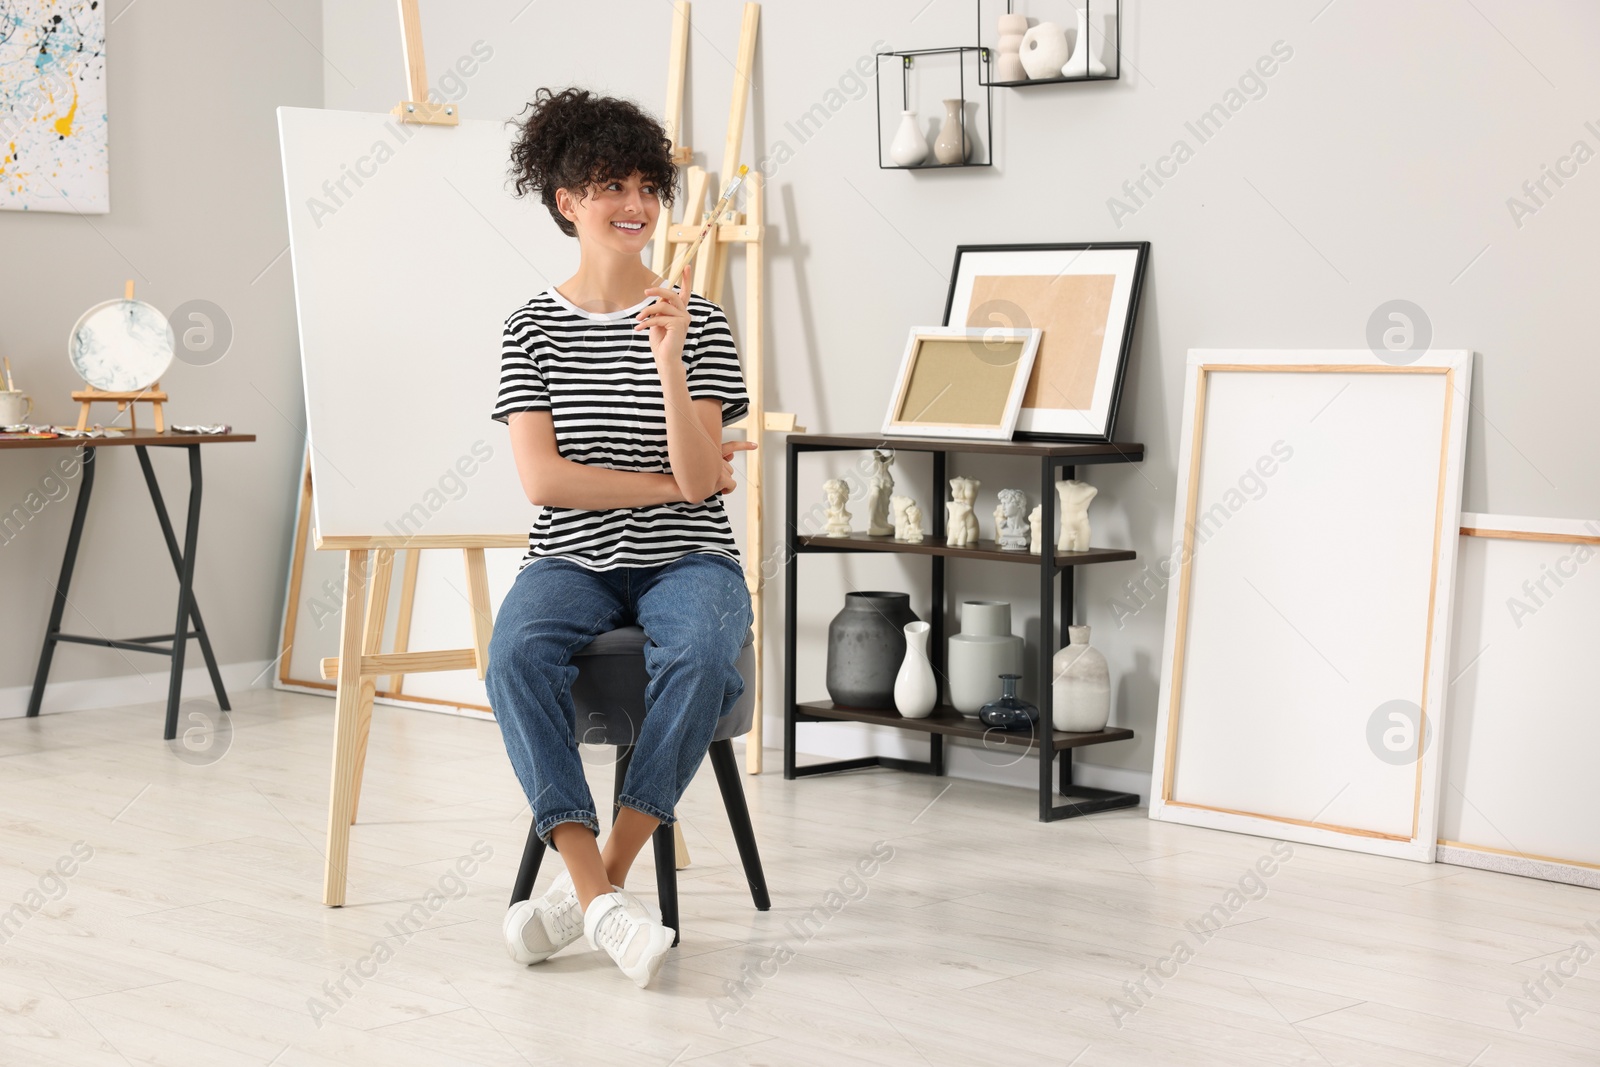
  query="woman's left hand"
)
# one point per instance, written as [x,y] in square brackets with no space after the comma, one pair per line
[667,319]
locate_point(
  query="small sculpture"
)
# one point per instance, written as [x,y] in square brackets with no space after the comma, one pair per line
[1075,497]
[898,505]
[961,523]
[879,493]
[1034,518]
[838,515]
[913,524]
[1010,534]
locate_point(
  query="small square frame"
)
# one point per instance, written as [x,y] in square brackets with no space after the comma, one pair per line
[924,341]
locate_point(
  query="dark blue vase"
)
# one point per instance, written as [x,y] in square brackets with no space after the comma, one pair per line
[1009,712]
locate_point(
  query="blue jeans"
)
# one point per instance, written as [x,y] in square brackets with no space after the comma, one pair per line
[695,610]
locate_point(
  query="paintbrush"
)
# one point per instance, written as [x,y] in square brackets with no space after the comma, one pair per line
[687,254]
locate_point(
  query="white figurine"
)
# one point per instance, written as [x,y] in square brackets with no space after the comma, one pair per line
[1075,497]
[1034,518]
[897,506]
[913,524]
[961,523]
[879,494]
[1010,531]
[838,515]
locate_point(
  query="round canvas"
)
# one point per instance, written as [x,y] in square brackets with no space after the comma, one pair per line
[121,345]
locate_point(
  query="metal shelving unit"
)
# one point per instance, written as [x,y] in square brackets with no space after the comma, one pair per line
[1057,460]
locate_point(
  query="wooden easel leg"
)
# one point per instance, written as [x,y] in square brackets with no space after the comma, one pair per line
[680,848]
[346,718]
[478,598]
[408,601]
[372,644]
[297,568]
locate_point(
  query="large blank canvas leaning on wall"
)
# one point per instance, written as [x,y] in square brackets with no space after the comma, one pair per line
[408,253]
[1520,790]
[1317,508]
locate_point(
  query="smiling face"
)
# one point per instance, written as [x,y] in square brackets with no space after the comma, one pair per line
[618,215]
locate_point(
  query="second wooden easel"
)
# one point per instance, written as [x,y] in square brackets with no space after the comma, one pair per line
[746,228]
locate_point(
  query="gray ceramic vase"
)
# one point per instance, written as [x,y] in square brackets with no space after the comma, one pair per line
[866,645]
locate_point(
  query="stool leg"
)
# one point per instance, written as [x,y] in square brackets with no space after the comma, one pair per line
[727,768]
[532,856]
[666,878]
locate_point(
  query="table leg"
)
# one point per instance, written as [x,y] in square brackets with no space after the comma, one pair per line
[177,555]
[180,631]
[79,510]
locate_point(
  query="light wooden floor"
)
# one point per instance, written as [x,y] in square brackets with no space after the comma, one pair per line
[194,932]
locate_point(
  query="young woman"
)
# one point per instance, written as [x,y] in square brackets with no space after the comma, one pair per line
[615,390]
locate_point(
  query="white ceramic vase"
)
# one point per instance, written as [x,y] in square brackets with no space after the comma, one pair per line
[954,144]
[1044,50]
[1085,61]
[978,655]
[1080,690]
[909,147]
[915,691]
[1008,54]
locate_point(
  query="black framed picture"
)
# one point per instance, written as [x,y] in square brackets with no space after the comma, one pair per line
[1085,298]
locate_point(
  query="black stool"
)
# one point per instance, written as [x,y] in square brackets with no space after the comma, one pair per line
[608,695]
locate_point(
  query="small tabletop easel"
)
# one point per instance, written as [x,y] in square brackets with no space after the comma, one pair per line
[711,268]
[151,394]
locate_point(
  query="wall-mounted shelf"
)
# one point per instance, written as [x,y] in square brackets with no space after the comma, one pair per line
[905,61]
[1103,19]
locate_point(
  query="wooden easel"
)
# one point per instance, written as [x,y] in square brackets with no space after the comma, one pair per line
[746,228]
[151,394]
[366,595]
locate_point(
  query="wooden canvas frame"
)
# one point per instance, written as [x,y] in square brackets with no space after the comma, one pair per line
[1076,384]
[1006,350]
[1400,479]
[1520,793]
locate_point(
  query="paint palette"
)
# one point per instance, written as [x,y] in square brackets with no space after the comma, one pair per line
[121,345]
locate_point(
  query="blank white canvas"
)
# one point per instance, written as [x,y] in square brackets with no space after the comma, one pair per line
[1520,783]
[404,277]
[1309,597]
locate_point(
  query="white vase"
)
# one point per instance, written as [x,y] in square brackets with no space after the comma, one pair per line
[1080,692]
[954,144]
[1085,59]
[915,692]
[1044,49]
[909,147]
[978,655]
[1008,54]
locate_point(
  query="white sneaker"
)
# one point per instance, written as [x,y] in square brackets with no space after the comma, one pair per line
[619,923]
[538,928]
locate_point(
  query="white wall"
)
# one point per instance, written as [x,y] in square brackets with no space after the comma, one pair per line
[196,213]
[1375,163]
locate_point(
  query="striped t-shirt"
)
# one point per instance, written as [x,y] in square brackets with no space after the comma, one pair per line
[598,379]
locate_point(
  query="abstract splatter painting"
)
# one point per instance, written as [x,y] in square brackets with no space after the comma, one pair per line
[53,106]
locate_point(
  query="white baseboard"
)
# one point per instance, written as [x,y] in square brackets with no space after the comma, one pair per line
[120,690]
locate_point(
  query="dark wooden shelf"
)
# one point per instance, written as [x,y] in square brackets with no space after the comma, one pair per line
[950,722]
[1080,451]
[864,542]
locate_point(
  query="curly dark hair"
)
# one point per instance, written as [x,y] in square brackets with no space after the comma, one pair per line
[575,138]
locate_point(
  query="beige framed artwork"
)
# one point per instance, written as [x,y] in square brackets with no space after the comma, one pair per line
[1084,299]
[961,382]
